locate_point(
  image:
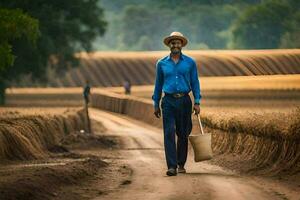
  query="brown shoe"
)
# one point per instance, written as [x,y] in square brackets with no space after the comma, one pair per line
[181,170]
[171,172]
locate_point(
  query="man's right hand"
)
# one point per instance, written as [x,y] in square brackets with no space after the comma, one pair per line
[157,112]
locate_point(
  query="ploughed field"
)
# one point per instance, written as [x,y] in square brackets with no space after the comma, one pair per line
[106,69]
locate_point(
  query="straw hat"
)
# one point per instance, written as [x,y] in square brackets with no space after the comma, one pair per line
[176,35]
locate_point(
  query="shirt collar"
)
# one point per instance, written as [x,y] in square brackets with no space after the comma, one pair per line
[180,57]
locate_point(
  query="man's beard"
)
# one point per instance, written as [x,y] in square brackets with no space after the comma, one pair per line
[175,52]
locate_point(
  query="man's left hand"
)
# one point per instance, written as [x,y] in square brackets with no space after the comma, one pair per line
[196,109]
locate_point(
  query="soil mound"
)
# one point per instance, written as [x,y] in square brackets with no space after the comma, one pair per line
[42,181]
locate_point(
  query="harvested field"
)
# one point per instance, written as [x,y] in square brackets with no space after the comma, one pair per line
[282,91]
[259,144]
[231,83]
[277,93]
[272,124]
[44,97]
[259,141]
[8,112]
[113,68]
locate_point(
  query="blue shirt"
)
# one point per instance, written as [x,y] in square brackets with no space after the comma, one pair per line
[176,78]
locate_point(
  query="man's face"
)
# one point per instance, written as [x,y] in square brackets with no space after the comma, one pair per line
[175,46]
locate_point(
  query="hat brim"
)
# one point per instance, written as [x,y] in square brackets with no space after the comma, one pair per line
[169,38]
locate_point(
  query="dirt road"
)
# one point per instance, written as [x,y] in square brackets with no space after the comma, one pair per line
[144,153]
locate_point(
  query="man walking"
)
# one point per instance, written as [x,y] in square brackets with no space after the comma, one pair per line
[176,76]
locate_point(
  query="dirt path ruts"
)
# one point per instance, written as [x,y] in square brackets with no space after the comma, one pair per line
[144,153]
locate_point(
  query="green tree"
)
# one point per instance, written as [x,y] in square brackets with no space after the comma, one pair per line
[203,24]
[206,22]
[145,44]
[137,27]
[261,26]
[14,25]
[291,38]
[143,27]
[66,27]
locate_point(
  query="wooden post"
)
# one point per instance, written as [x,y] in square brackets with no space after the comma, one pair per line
[88,117]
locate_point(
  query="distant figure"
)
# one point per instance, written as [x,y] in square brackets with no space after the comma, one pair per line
[86,92]
[127,87]
[86,96]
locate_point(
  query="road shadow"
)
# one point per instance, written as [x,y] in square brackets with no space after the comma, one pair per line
[210,174]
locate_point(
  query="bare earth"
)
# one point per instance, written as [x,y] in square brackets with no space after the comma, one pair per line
[144,154]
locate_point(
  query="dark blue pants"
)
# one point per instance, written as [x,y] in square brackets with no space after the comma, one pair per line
[176,119]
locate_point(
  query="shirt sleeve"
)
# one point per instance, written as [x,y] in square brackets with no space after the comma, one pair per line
[195,84]
[158,85]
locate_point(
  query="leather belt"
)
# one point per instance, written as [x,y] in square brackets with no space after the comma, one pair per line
[176,95]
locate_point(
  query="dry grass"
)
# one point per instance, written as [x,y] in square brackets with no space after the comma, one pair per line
[9,112]
[24,135]
[75,90]
[263,143]
[280,125]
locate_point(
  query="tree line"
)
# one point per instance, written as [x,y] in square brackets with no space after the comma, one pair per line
[209,24]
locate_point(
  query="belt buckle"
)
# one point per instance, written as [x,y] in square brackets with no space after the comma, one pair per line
[177,95]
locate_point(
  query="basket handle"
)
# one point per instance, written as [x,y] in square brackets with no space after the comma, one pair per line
[200,124]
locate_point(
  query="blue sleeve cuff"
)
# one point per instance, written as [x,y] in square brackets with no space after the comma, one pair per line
[197,101]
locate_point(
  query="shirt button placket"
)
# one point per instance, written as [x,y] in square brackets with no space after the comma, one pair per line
[176,82]
[176,77]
